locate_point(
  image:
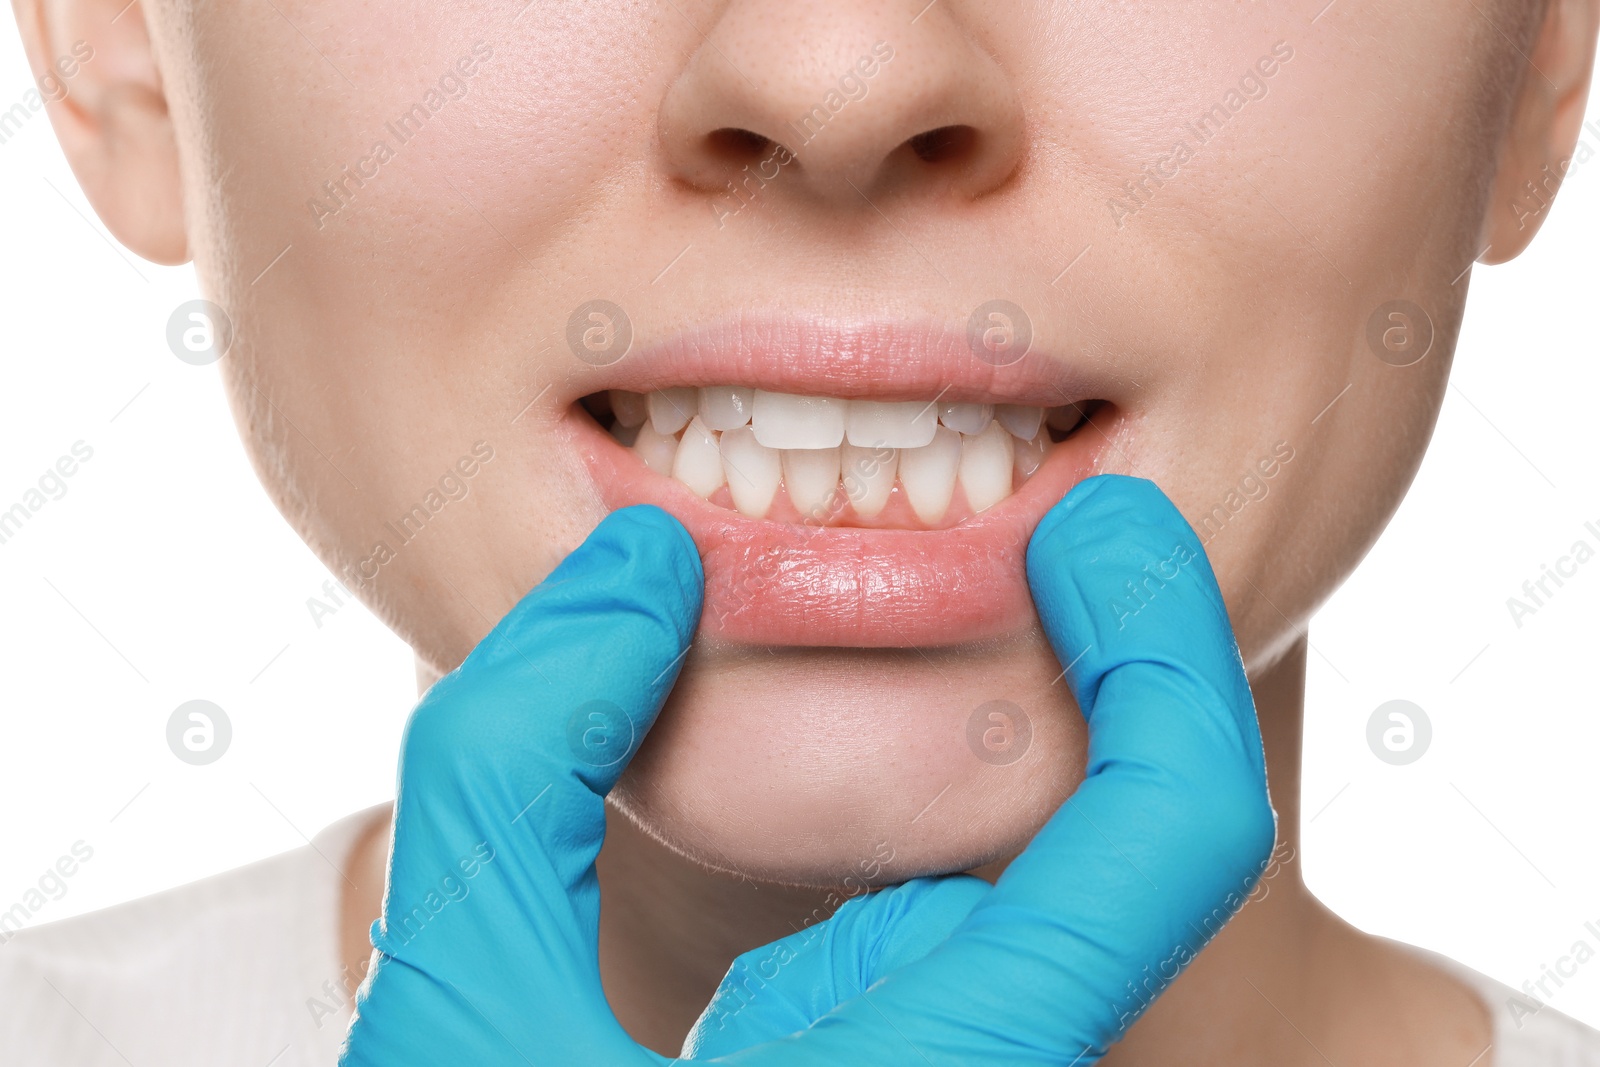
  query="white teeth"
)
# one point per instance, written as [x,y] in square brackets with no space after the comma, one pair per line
[631,409]
[868,475]
[753,441]
[781,420]
[698,463]
[966,418]
[725,407]
[753,471]
[928,474]
[656,449]
[1020,421]
[671,409]
[1030,455]
[812,477]
[986,467]
[891,423]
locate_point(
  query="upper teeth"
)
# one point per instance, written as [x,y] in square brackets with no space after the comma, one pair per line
[751,440]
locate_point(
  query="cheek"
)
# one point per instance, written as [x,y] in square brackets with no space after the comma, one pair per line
[415,131]
[359,221]
[1317,180]
[1291,244]
[1279,557]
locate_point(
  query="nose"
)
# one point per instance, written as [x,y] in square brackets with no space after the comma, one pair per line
[839,100]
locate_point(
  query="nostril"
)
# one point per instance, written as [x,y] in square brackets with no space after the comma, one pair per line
[735,145]
[944,144]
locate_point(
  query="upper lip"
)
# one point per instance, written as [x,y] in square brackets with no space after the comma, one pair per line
[822,357]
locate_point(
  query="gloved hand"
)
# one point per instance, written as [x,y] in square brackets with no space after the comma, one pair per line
[488,943]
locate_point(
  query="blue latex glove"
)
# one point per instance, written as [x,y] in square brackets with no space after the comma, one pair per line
[488,944]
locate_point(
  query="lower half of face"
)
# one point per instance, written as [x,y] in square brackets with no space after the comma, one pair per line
[858,324]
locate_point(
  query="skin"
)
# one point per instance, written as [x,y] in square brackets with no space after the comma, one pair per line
[1230,310]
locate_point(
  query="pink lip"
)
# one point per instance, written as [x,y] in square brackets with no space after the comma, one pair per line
[792,584]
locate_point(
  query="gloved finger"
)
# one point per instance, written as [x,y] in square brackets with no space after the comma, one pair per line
[1145,862]
[505,766]
[1173,817]
[784,987]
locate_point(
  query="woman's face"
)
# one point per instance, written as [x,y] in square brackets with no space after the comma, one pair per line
[1204,214]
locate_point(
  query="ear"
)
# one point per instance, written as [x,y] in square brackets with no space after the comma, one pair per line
[1545,123]
[93,63]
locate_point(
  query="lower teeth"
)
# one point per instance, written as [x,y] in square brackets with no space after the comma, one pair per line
[984,455]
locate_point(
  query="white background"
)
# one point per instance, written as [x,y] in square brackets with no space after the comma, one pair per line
[164,574]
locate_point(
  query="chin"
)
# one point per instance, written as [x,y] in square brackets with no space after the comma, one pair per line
[828,766]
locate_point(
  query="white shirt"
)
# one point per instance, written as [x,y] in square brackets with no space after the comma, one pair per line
[243,970]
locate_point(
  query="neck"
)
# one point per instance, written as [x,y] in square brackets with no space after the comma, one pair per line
[669,929]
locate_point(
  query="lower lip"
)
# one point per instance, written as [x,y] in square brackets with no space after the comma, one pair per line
[772,583]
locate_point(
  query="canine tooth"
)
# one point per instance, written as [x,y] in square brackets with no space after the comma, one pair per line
[928,474]
[1030,455]
[1020,420]
[626,435]
[812,478]
[782,420]
[725,407]
[752,470]
[631,409]
[698,463]
[656,449]
[986,460]
[966,418]
[891,423]
[671,409]
[868,475]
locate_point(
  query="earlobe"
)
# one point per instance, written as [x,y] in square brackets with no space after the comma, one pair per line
[133,178]
[93,62]
[1542,137]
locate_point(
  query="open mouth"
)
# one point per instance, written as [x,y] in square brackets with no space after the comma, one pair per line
[832,461]
[852,486]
